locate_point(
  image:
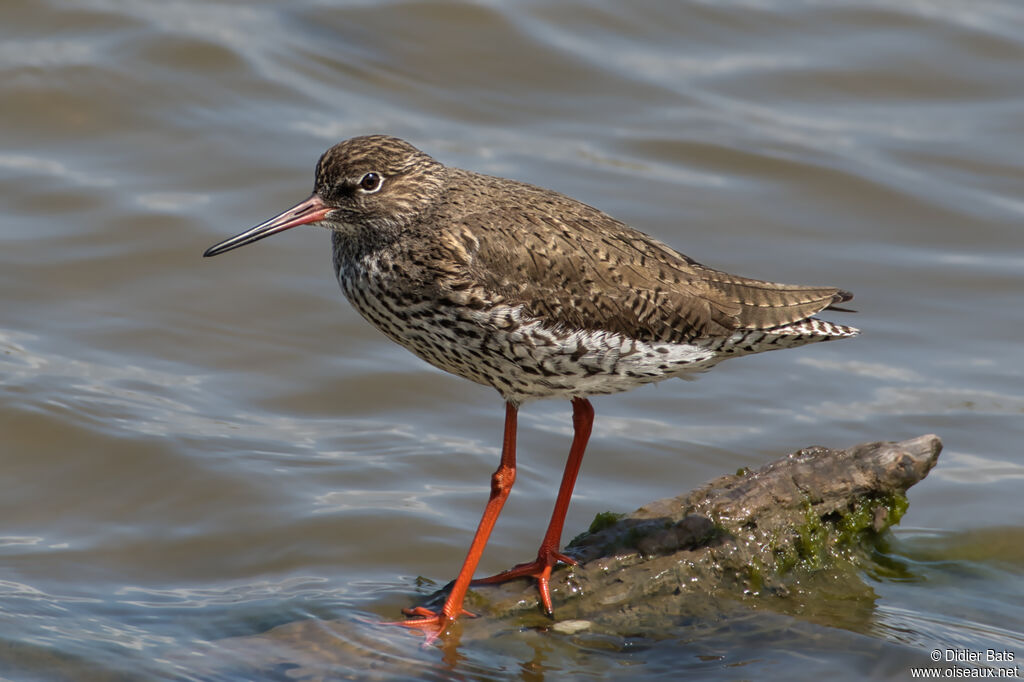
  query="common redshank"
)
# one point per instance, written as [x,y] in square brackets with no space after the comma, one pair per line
[533,293]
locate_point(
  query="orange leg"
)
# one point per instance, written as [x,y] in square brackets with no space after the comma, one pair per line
[548,555]
[434,624]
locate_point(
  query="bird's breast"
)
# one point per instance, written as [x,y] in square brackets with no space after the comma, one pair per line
[500,345]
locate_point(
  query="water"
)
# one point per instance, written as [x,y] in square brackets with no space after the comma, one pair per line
[201,458]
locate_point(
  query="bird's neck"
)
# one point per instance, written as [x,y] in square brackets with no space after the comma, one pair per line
[356,243]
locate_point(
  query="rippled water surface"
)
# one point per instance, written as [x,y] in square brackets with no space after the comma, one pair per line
[215,469]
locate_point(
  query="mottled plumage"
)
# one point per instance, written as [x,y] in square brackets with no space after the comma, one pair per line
[534,293]
[531,292]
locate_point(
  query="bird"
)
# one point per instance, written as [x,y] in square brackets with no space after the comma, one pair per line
[535,294]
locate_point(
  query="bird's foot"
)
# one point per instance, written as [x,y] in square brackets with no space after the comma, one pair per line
[540,568]
[433,624]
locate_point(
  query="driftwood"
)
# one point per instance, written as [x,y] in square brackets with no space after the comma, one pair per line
[750,535]
[787,537]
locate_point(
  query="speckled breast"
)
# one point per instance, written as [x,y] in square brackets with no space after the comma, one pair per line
[519,356]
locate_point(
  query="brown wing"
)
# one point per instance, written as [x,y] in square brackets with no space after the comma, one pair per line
[576,267]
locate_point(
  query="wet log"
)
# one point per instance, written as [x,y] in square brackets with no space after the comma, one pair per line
[753,536]
[793,536]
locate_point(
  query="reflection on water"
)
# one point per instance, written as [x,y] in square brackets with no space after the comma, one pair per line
[219,471]
[933,609]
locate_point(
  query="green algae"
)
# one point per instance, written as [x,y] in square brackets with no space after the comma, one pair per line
[604,520]
[821,538]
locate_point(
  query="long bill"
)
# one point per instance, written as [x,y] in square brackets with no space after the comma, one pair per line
[311,210]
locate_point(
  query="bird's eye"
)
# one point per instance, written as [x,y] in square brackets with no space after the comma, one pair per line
[370,183]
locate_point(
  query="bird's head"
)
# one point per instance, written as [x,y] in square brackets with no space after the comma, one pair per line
[374,182]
